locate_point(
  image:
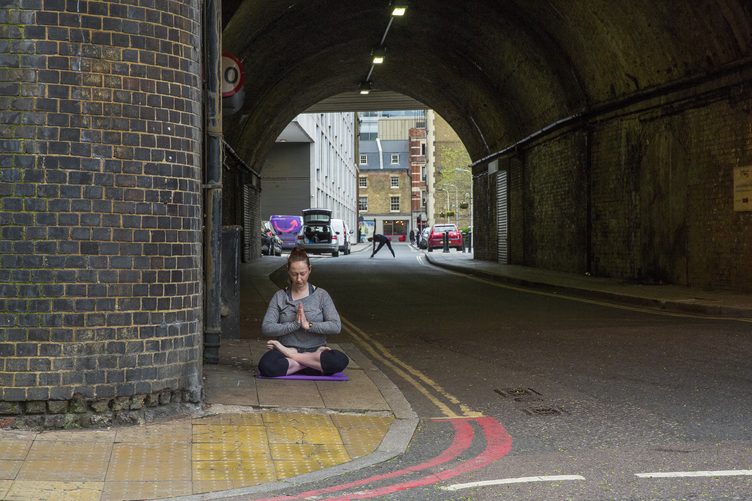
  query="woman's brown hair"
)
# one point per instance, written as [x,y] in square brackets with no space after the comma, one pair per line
[296,255]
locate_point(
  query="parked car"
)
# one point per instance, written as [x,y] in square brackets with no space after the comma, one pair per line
[343,235]
[436,237]
[271,244]
[287,228]
[423,238]
[317,236]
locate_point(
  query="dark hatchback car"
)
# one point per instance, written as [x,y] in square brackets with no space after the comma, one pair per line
[271,244]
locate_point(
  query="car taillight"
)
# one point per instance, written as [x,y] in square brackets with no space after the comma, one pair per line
[300,237]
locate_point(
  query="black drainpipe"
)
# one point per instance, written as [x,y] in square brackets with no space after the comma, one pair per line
[213,186]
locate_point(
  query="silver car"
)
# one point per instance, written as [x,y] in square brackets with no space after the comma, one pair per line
[317,236]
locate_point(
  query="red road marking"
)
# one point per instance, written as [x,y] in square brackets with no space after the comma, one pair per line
[499,443]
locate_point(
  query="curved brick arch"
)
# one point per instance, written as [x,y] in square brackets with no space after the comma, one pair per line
[501,71]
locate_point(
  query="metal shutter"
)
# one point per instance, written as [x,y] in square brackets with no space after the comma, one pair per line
[247,223]
[501,213]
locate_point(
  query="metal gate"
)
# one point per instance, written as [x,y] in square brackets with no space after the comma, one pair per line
[501,216]
[246,223]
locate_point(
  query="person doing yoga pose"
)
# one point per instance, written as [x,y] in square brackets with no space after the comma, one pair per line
[300,317]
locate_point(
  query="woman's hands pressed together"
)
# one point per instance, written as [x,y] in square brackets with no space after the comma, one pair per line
[301,318]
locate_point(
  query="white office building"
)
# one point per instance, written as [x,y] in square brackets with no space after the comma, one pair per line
[312,165]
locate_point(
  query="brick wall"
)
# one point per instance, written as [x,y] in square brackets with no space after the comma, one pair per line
[644,195]
[555,211]
[379,191]
[100,270]
[485,236]
[693,148]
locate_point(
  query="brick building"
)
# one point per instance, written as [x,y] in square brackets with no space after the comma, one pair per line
[385,187]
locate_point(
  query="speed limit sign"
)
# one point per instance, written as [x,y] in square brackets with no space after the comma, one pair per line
[232,75]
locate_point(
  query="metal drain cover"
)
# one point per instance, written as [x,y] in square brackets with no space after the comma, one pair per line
[517,392]
[544,411]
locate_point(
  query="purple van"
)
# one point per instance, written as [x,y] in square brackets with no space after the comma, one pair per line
[287,227]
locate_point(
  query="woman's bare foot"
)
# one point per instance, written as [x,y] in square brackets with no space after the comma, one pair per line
[323,348]
[276,345]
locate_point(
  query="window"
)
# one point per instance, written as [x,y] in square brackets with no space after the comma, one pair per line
[395,159]
[423,149]
[363,204]
[394,205]
[395,182]
[398,227]
[423,173]
[423,198]
[362,182]
[363,159]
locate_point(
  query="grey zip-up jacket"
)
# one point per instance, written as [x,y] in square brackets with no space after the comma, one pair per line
[319,309]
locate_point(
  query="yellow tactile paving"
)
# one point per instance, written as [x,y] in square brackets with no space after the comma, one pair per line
[250,472]
[171,452]
[325,454]
[202,486]
[9,469]
[121,491]
[152,471]
[5,487]
[55,491]
[370,422]
[303,435]
[297,419]
[62,471]
[229,452]
[230,434]
[360,450]
[180,457]
[14,449]
[69,451]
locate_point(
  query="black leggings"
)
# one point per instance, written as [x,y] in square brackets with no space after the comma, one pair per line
[381,244]
[275,364]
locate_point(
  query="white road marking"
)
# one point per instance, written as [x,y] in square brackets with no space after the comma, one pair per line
[420,259]
[676,474]
[550,478]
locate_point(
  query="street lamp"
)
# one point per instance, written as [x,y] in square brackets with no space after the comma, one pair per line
[456,202]
[471,193]
[447,209]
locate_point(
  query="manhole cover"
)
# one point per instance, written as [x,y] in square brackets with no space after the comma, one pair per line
[544,411]
[517,392]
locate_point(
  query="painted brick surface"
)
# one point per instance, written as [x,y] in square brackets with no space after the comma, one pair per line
[100,179]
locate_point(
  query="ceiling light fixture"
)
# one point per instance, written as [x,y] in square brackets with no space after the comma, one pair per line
[399,10]
[365,87]
[378,56]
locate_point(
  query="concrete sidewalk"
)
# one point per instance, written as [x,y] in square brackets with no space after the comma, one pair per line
[255,435]
[666,297]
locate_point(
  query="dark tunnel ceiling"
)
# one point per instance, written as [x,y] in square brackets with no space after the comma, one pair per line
[495,70]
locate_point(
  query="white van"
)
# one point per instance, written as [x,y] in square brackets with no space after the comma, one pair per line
[339,227]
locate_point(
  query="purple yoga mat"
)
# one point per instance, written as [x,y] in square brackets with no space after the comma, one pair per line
[337,376]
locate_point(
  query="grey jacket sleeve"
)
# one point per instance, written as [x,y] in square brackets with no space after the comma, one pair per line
[331,324]
[271,325]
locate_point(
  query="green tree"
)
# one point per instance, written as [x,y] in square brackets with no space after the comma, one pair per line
[448,157]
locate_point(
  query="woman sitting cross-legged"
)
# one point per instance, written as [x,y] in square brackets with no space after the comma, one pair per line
[300,317]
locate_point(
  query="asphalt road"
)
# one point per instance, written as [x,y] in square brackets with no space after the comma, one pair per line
[584,397]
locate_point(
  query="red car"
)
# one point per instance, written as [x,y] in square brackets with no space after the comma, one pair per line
[436,236]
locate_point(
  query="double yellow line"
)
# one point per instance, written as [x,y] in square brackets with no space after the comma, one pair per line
[420,381]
